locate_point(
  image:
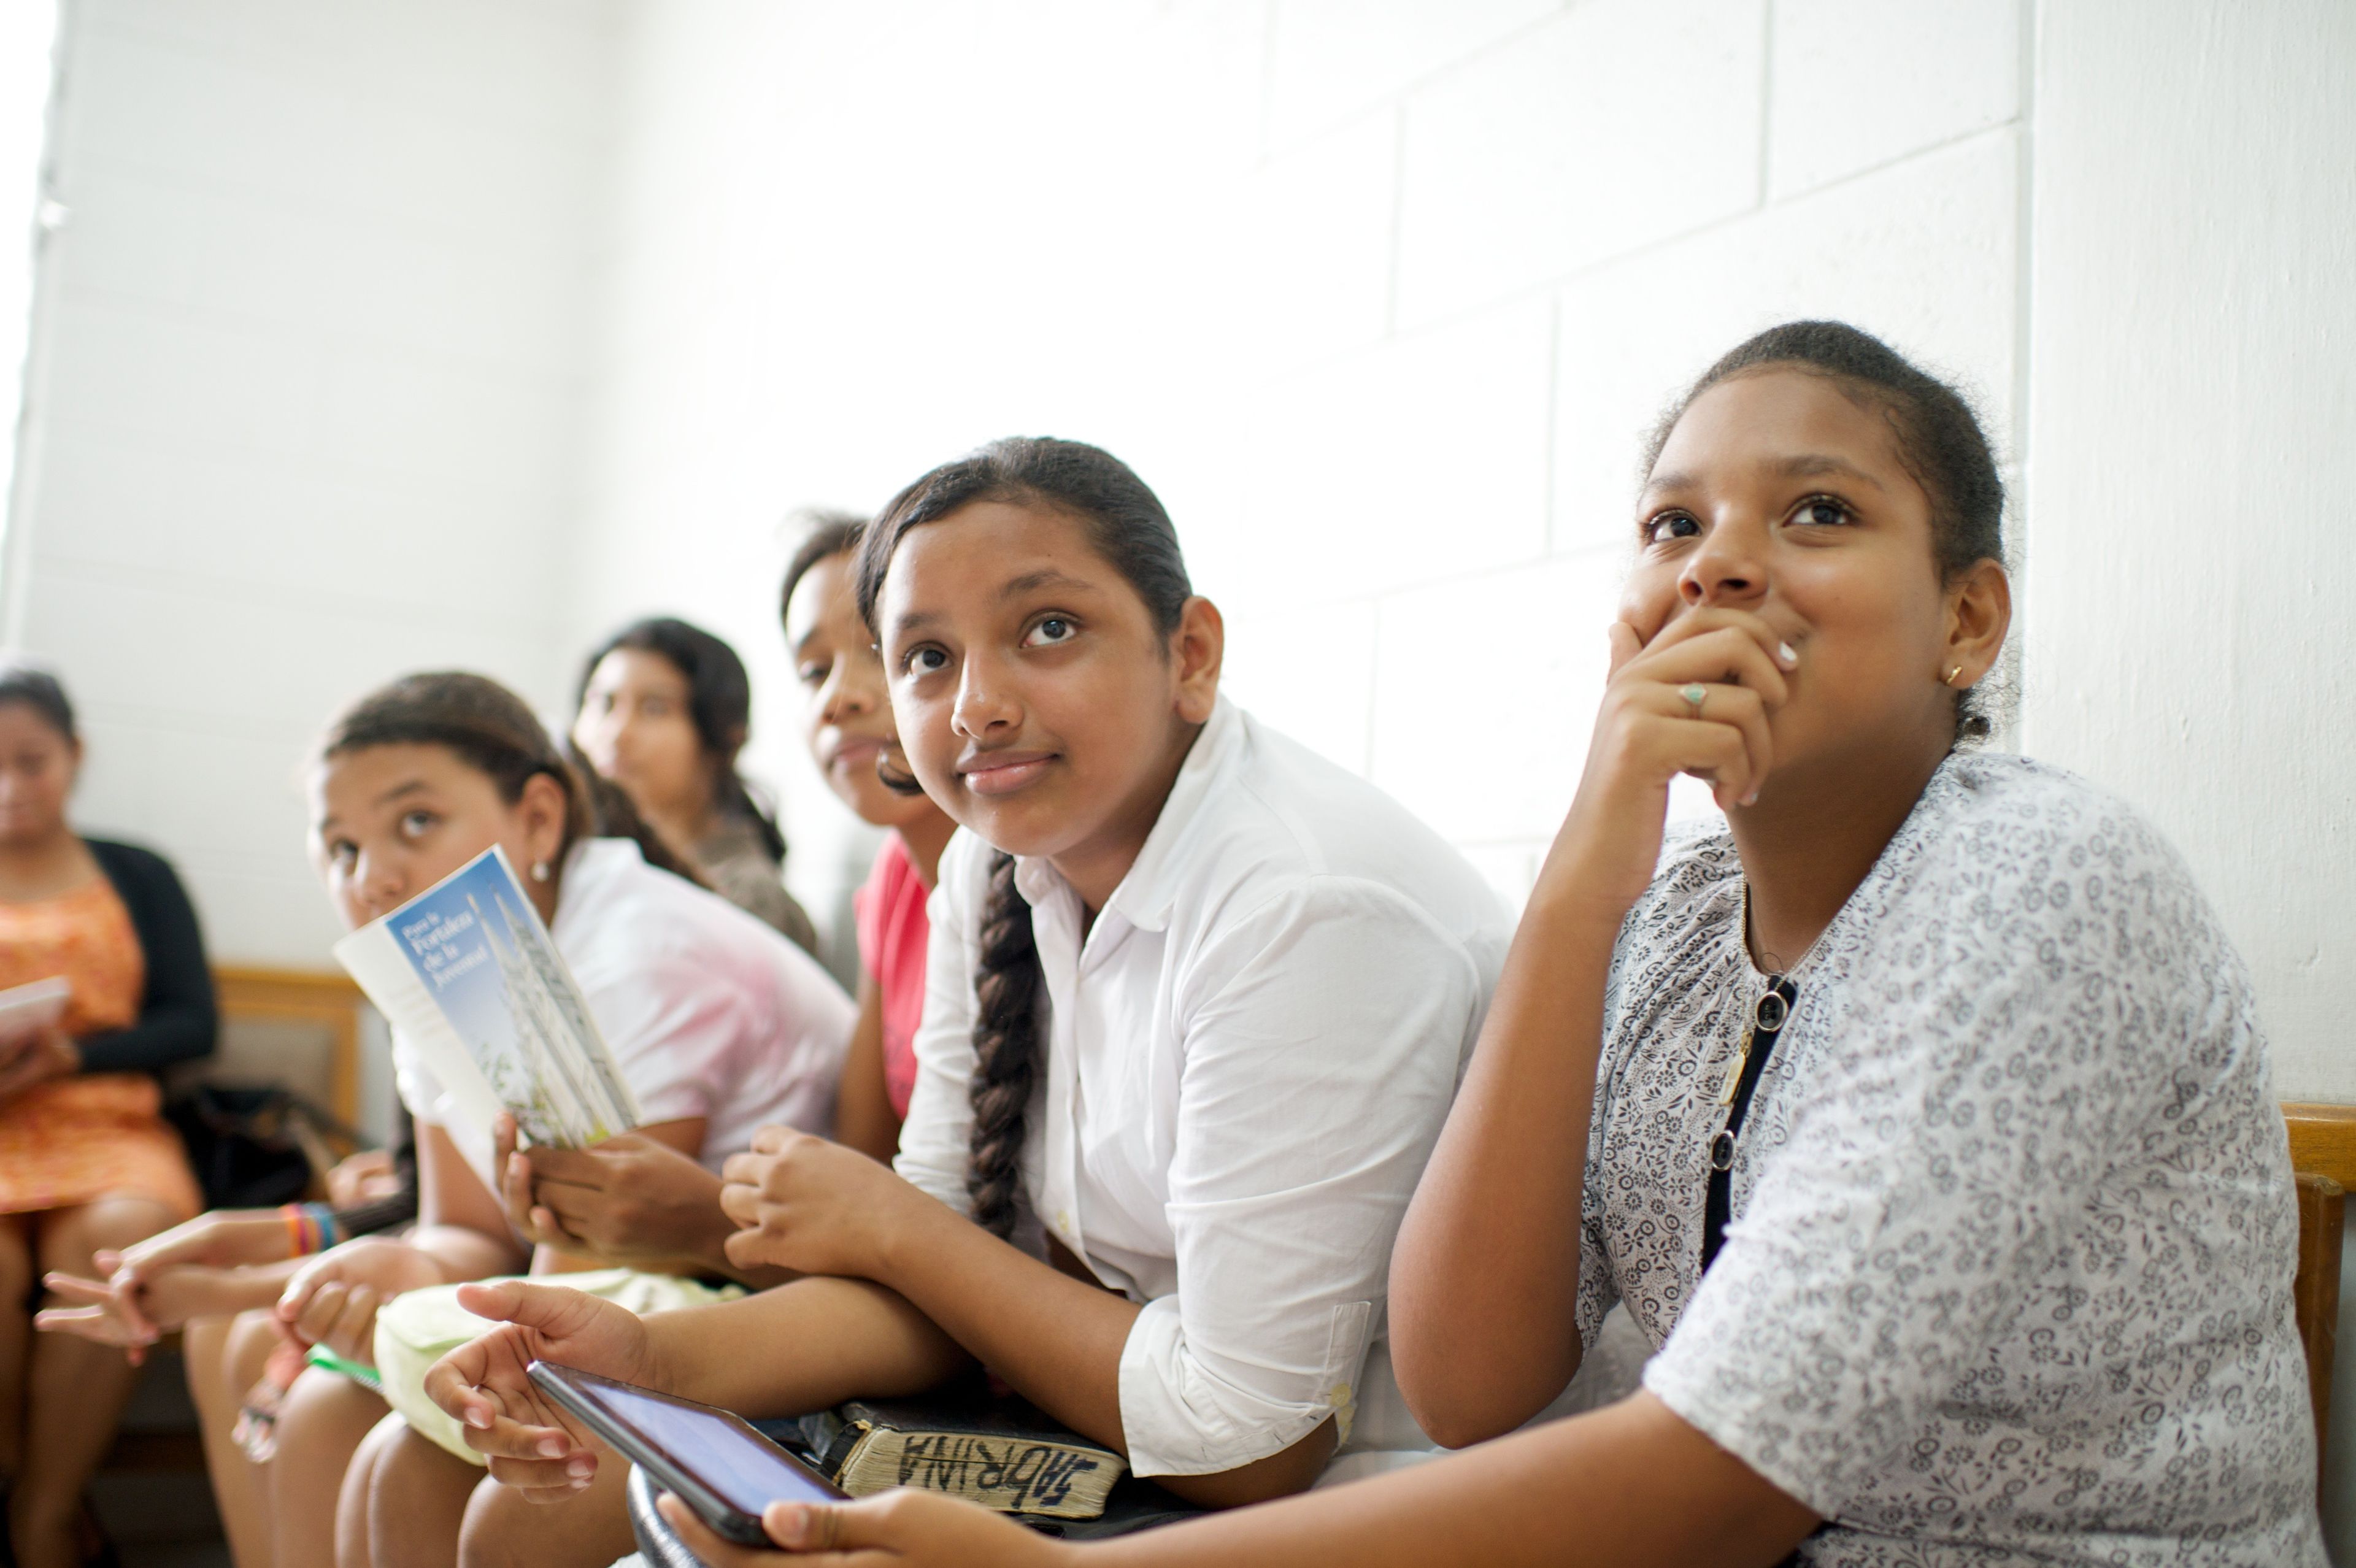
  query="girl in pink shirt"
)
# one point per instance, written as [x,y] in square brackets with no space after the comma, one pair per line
[848,723]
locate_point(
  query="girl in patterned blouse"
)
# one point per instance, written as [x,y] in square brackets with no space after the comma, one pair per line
[1917,1111]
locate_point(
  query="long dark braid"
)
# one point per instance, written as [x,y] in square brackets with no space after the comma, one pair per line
[1009,992]
[1128,527]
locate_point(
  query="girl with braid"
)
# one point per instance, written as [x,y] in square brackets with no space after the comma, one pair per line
[1917,1109]
[1197,1005]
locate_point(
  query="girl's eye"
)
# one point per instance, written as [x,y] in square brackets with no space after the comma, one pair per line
[1670,526]
[1046,633]
[813,674]
[1823,512]
[416,823]
[342,853]
[926,661]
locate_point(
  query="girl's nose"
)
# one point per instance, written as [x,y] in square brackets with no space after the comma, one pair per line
[983,704]
[1728,568]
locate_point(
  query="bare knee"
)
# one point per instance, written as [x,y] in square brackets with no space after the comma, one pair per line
[247,1345]
[71,1237]
[505,1529]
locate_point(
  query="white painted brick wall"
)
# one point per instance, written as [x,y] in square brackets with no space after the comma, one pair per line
[305,416]
[1379,296]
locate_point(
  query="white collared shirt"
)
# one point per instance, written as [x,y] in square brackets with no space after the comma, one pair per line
[1248,1059]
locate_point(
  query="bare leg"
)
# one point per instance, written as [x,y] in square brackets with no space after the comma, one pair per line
[15,1330]
[226,1357]
[76,1388]
[326,1416]
[352,1503]
[504,1531]
[417,1499]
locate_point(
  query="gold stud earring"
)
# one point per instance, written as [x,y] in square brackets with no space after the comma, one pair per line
[1950,677]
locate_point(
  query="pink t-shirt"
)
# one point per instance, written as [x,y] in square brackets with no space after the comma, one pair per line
[890,912]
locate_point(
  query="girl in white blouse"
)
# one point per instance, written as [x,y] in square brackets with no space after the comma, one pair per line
[719,1024]
[1197,1004]
[1917,1111]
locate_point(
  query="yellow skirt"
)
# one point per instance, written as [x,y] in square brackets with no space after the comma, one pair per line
[71,1140]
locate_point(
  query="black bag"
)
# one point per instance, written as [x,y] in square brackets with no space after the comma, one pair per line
[246,1146]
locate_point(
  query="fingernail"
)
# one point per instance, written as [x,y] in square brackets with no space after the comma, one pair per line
[1786,652]
[580,1469]
[478,1418]
[553,1448]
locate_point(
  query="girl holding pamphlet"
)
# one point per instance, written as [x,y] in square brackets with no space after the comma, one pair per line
[1197,1002]
[848,721]
[717,1024]
[1917,1111]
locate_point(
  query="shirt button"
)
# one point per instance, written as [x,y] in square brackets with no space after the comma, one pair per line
[1063,1220]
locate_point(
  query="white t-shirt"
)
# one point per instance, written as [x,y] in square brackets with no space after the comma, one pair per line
[709,1012]
[1247,1062]
[2008,1273]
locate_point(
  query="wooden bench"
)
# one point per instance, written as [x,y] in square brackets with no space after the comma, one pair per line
[2323,1161]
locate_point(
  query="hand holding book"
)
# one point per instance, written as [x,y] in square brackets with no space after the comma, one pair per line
[631,1201]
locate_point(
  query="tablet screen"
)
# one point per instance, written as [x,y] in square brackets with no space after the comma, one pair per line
[741,1466]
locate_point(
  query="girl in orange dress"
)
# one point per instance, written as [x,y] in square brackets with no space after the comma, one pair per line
[87,1163]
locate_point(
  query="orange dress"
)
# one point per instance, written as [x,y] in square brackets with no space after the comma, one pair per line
[69,1140]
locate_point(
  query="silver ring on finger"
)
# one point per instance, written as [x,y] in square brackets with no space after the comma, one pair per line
[1695,696]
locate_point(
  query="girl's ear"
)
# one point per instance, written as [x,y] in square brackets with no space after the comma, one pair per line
[1979,613]
[543,809]
[1196,649]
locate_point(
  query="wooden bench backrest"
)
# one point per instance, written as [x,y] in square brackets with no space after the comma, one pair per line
[2323,1159]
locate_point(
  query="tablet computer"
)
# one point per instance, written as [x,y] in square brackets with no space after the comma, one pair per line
[717,1463]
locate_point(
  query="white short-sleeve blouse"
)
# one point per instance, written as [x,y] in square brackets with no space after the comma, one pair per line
[1248,1058]
[709,1012]
[2008,1273]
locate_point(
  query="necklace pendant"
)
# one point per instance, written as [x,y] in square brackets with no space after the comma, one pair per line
[1733,1073]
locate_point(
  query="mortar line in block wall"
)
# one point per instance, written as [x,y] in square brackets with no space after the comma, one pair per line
[1766,91]
[1525,292]
[1268,81]
[1553,409]
[2016,710]
[1399,219]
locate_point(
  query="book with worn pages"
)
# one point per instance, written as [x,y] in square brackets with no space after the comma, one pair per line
[467,973]
[1001,1452]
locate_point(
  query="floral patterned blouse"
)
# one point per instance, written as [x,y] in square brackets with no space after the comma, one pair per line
[2008,1278]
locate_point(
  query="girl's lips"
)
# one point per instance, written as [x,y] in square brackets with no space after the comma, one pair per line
[856,753]
[1006,776]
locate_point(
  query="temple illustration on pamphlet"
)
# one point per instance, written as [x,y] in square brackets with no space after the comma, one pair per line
[552,1090]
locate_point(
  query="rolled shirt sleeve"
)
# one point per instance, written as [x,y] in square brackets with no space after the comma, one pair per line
[1323,1035]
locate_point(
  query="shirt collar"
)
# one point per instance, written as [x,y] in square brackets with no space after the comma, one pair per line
[1144,895]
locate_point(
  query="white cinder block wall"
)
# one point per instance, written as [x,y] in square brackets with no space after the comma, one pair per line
[1379,296]
[306,388]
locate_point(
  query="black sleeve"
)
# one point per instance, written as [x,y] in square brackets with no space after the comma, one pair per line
[177,1019]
